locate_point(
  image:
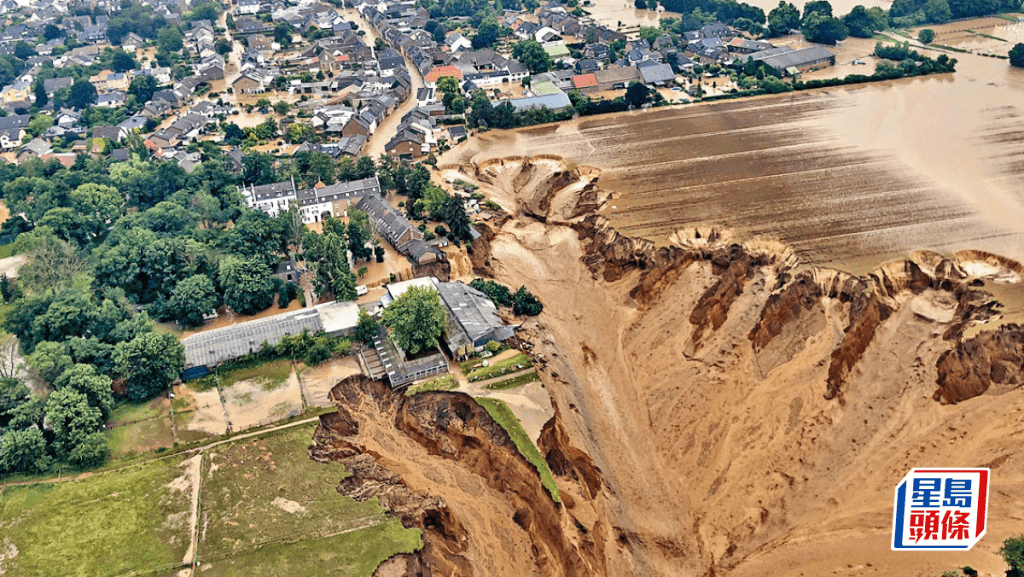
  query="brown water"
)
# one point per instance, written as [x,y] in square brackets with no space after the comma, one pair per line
[848,176]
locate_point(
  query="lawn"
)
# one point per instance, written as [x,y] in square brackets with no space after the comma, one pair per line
[266,494]
[6,250]
[443,383]
[135,412]
[271,374]
[514,382]
[108,524]
[507,366]
[500,412]
[357,553]
[129,440]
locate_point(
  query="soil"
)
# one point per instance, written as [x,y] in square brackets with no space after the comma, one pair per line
[318,381]
[248,404]
[208,416]
[722,406]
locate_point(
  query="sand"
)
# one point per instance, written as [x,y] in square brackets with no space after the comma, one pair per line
[317,381]
[208,416]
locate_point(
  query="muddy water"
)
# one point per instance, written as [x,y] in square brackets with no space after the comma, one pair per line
[620,13]
[848,176]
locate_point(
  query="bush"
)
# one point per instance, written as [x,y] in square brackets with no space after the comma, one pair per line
[926,36]
[499,294]
[1012,552]
[493,346]
[524,303]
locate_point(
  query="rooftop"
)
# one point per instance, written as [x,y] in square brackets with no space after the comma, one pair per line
[213,347]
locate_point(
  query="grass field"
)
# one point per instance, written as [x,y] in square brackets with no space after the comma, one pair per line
[6,250]
[134,412]
[500,412]
[443,383]
[139,428]
[267,507]
[514,382]
[109,524]
[271,374]
[511,365]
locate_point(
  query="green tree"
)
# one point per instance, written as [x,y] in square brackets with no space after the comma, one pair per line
[863,23]
[650,34]
[782,19]
[822,7]
[247,286]
[95,387]
[379,44]
[926,36]
[281,107]
[366,328]
[487,33]
[71,419]
[258,168]
[823,29]
[1012,552]
[453,214]
[149,363]
[283,33]
[498,293]
[122,61]
[416,319]
[432,201]
[23,452]
[263,104]
[524,303]
[93,451]
[532,55]
[357,239]
[169,39]
[50,360]
[13,392]
[1017,55]
[191,299]
[937,11]
[448,85]
[637,95]
[325,255]
[82,94]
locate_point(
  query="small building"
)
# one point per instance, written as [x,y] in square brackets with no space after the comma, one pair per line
[211,348]
[338,318]
[395,228]
[556,101]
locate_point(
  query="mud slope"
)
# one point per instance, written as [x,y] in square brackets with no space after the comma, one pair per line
[721,408]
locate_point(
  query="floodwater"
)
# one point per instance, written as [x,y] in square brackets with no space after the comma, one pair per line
[849,176]
[622,15]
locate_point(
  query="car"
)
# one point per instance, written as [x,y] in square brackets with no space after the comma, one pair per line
[676,89]
[361,290]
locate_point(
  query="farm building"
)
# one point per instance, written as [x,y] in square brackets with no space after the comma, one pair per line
[802,60]
[211,348]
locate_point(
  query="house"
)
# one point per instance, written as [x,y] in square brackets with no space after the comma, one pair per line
[33,149]
[249,82]
[439,72]
[273,198]
[52,85]
[17,91]
[457,42]
[655,74]
[112,99]
[585,83]
[405,144]
[457,133]
[597,51]
[335,200]
[12,130]
[742,45]
[473,320]
[114,133]
[797,61]
[425,96]
[616,77]
[132,42]
[395,228]
[587,65]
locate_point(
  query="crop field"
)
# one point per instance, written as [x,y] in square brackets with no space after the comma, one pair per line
[84,528]
[267,507]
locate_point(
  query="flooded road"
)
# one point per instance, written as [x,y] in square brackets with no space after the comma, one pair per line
[848,176]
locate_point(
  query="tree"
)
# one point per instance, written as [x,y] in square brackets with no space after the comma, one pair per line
[93,451]
[263,104]
[169,39]
[863,23]
[357,239]
[96,388]
[487,33]
[498,293]
[258,168]
[149,363]
[366,328]
[379,44]
[937,11]
[925,36]
[122,62]
[325,255]
[637,95]
[416,319]
[39,90]
[433,199]
[49,359]
[378,253]
[246,282]
[453,214]
[532,55]
[13,392]
[524,303]
[1012,552]
[817,7]
[23,452]
[782,19]
[82,94]
[1017,55]
[823,29]
[283,33]
[191,299]
[71,419]
[281,107]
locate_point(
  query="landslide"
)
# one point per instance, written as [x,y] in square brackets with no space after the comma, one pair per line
[748,414]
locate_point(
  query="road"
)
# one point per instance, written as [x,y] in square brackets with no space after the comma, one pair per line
[387,129]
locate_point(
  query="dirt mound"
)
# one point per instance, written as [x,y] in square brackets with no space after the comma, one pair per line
[441,464]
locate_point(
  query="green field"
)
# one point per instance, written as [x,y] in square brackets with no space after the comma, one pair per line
[504,416]
[507,366]
[139,428]
[442,383]
[514,382]
[267,508]
[109,524]
[272,374]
